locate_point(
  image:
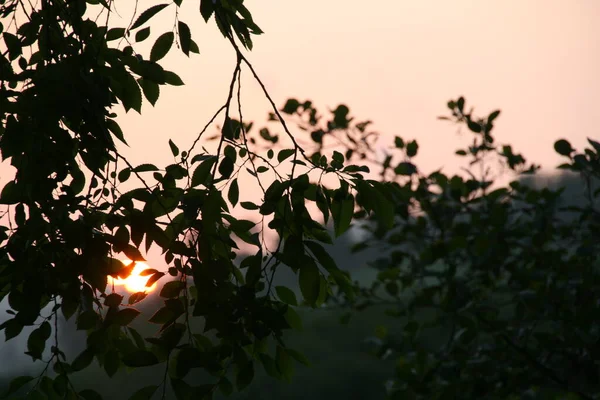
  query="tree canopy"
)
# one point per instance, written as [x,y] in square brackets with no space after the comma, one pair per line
[493,285]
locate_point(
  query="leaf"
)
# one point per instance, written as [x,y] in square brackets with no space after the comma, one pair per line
[185,37]
[595,145]
[115,33]
[140,358]
[563,147]
[234,192]
[151,90]
[131,96]
[146,15]
[145,168]
[125,316]
[322,255]
[248,205]
[301,358]
[142,34]
[172,289]
[202,171]
[133,253]
[405,169]
[162,316]
[310,281]
[291,106]
[162,46]
[16,384]
[114,127]
[284,363]
[293,319]
[286,295]
[172,78]
[174,148]
[10,193]
[113,300]
[342,212]
[112,362]
[245,376]
[285,153]
[226,167]
[89,394]
[194,47]
[411,148]
[206,9]
[83,360]
[144,393]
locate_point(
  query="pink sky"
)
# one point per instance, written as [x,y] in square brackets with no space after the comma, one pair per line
[395,62]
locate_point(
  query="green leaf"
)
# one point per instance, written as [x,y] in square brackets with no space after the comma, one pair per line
[144,393]
[145,168]
[131,96]
[114,127]
[563,147]
[245,376]
[151,90]
[112,362]
[226,167]
[291,106]
[172,78]
[162,46]
[10,194]
[405,169]
[234,192]
[293,319]
[140,358]
[83,360]
[474,126]
[115,33]
[174,148]
[142,34]
[194,47]
[411,148]
[89,394]
[286,295]
[284,363]
[185,37]
[124,174]
[133,253]
[310,281]
[146,15]
[322,255]
[16,384]
[301,358]
[113,300]
[342,211]
[285,153]
[248,205]
[125,316]
[172,289]
[399,142]
[595,145]
[202,171]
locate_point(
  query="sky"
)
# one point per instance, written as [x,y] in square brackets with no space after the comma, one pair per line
[396,62]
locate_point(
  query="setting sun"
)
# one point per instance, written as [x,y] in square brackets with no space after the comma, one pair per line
[134,283]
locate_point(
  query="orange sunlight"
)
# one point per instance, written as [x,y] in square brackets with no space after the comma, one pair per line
[134,283]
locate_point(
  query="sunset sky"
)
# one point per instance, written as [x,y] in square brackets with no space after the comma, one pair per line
[396,62]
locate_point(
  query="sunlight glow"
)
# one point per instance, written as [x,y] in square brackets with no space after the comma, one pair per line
[134,283]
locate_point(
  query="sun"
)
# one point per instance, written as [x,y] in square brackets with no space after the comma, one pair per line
[134,283]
